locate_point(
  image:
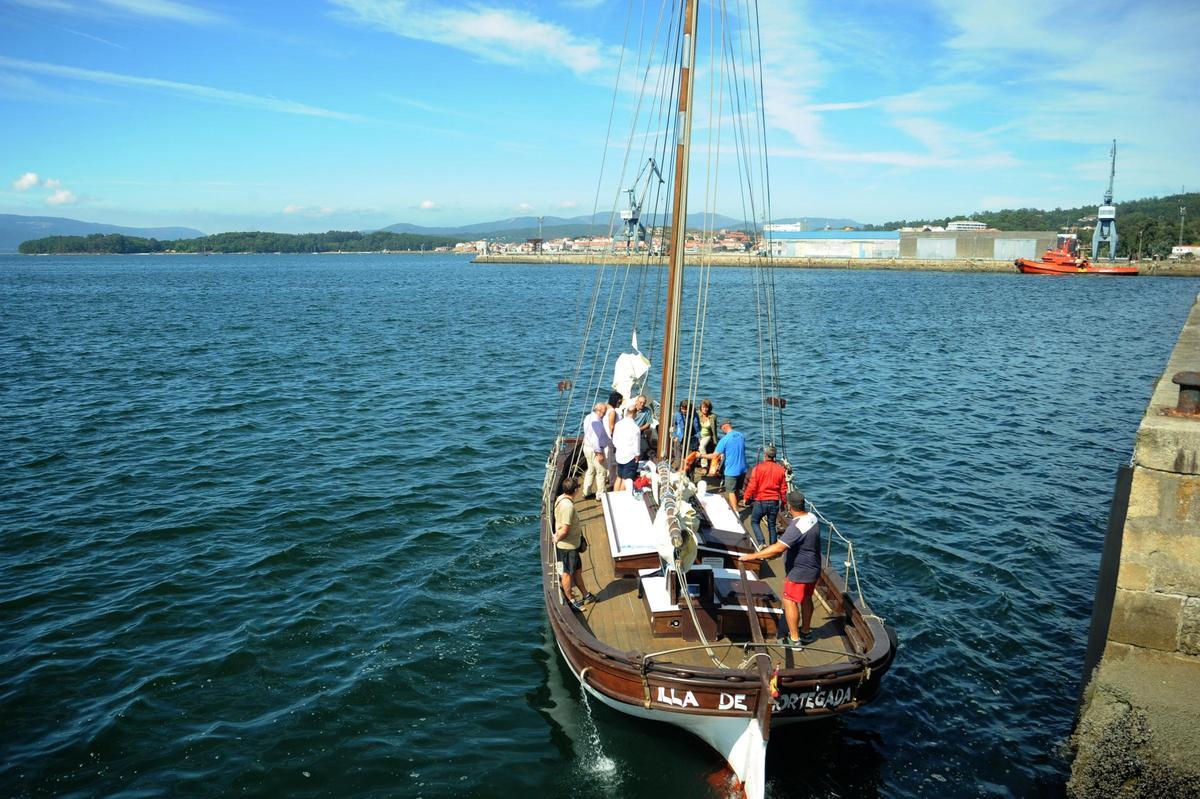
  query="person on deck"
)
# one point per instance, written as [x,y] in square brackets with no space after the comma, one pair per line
[730,456]
[685,436]
[802,564]
[706,426]
[567,537]
[615,412]
[707,422]
[644,417]
[595,439]
[765,491]
[627,443]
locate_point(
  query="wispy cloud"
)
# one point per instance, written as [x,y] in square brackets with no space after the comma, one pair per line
[322,211]
[916,125]
[432,109]
[94,38]
[852,106]
[207,93]
[793,70]
[311,211]
[160,9]
[165,9]
[25,88]
[1137,74]
[492,33]
[428,205]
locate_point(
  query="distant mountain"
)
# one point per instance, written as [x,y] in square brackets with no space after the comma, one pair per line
[15,229]
[519,228]
[490,228]
[819,222]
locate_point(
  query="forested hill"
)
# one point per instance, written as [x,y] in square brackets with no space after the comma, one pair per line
[257,242]
[1153,222]
[15,229]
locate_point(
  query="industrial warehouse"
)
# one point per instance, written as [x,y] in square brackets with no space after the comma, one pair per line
[965,244]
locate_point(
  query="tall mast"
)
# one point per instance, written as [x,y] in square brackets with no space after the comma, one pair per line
[683,146]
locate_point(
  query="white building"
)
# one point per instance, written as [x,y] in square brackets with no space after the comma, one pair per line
[966,224]
[836,244]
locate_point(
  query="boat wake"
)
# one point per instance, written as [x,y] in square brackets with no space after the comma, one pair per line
[593,760]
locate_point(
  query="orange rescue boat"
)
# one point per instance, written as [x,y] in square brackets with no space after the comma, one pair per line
[1067,261]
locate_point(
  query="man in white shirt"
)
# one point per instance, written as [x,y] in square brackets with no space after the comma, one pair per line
[595,439]
[627,440]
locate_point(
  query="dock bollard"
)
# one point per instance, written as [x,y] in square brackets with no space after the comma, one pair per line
[1189,393]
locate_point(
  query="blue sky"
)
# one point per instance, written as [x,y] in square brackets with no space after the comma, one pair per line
[319,114]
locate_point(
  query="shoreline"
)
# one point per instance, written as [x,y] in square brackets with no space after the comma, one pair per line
[1148,268]
[240,252]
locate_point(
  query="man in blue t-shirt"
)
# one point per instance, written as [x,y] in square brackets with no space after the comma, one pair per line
[802,543]
[731,457]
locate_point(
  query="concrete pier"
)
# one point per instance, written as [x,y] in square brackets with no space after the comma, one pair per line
[1178,268]
[1138,732]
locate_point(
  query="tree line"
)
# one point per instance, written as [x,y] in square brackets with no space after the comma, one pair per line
[254,241]
[1146,228]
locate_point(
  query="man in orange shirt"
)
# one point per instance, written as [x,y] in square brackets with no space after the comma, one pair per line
[767,489]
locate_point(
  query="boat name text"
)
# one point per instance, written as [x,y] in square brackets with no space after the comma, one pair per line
[668,696]
[813,699]
[687,700]
[733,702]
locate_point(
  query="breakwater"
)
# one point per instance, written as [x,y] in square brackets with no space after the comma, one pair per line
[1136,733]
[1173,268]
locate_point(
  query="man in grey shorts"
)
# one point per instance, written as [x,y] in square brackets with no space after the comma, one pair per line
[567,537]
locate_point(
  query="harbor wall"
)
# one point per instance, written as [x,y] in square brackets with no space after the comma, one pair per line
[1173,268]
[1138,732]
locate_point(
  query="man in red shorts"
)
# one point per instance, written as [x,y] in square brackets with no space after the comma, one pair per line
[802,543]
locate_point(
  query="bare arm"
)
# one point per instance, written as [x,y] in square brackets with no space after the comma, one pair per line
[766,553]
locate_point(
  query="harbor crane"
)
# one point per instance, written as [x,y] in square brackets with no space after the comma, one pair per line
[1106,216]
[631,215]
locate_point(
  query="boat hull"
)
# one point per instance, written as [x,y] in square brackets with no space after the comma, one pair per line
[736,738]
[1025,266]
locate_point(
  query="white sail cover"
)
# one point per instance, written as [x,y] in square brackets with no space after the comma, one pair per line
[630,370]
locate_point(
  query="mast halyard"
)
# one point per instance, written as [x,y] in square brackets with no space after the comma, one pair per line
[683,146]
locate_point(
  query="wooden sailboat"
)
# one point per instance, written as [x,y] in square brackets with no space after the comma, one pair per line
[681,631]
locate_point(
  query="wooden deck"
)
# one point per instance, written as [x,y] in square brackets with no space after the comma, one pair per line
[619,617]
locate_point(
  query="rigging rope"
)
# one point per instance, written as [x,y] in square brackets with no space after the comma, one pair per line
[619,299]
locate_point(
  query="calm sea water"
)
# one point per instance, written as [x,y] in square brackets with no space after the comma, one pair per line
[268,524]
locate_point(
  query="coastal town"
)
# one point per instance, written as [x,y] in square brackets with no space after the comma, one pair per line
[959,239]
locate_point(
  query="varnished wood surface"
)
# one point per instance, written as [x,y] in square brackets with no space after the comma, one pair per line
[619,618]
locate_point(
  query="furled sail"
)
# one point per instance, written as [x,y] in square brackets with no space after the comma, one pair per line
[629,375]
